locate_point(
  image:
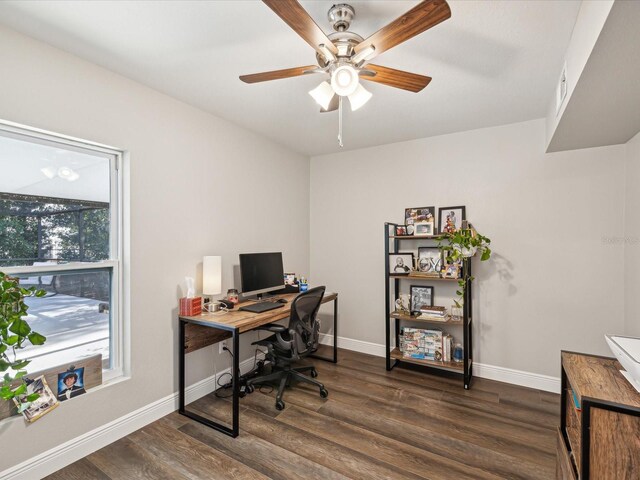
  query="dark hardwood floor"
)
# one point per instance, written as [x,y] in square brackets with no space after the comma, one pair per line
[374,425]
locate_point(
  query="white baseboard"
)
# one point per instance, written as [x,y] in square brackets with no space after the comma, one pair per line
[490,372]
[58,457]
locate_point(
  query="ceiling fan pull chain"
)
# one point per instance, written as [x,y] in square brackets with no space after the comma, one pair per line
[340,121]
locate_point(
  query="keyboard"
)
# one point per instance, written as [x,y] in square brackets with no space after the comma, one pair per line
[262,307]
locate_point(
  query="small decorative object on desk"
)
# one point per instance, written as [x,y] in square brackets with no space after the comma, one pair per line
[37,400]
[304,286]
[232,296]
[400,263]
[190,307]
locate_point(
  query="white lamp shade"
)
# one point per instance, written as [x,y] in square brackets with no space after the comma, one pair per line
[323,94]
[211,275]
[358,98]
[344,80]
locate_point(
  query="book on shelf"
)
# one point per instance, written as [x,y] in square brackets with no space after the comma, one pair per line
[433,313]
[426,344]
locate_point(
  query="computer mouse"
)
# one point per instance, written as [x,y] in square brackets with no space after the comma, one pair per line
[282,300]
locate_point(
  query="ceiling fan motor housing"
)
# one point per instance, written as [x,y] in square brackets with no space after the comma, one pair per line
[341,15]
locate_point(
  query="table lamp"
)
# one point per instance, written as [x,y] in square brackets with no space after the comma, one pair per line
[212,279]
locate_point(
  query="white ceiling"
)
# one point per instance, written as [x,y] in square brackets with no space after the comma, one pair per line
[27,162]
[492,62]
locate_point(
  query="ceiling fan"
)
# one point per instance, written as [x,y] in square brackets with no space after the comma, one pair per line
[344,55]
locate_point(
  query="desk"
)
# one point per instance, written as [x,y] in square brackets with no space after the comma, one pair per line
[231,325]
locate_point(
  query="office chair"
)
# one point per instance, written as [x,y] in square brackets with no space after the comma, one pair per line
[290,344]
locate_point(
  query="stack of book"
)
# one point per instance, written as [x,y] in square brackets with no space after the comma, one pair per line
[434,313]
[426,344]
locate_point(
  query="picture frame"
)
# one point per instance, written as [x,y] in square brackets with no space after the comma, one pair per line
[452,270]
[71,383]
[419,214]
[424,229]
[403,304]
[421,295]
[43,405]
[450,218]
[400,263]
[430,260]
[401,231]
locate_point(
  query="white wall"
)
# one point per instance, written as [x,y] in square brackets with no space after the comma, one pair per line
[632,238]
[589,23]
[199,186]
[554,282]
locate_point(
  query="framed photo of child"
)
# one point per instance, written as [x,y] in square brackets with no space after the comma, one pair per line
[450,219]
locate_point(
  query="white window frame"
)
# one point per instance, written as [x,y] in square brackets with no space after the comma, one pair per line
[114,264]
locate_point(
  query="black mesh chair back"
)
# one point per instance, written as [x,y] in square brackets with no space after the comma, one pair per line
[303,322]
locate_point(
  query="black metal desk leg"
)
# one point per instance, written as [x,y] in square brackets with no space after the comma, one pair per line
[335,330]
[236,383]
[181,367]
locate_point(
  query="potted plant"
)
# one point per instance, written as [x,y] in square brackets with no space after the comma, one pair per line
[14,333]
[459,246]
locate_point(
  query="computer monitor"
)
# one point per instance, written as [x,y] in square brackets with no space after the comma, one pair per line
[261,273]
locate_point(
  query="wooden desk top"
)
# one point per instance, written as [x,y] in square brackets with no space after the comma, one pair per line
[599,378]
[245,321]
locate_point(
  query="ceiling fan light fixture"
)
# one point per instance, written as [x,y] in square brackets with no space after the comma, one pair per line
[323,94]
[344,80]
[358,98]
[363,54]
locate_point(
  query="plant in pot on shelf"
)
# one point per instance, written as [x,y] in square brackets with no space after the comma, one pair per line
[15,332]
[458,246]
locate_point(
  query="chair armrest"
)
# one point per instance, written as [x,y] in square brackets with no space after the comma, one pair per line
[273,327]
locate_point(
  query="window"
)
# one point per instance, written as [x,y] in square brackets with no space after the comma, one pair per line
[60,214]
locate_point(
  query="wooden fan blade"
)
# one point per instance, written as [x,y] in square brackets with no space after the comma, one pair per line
[396,78]
[422,17]
[301,22]
[333,105]
[276,74]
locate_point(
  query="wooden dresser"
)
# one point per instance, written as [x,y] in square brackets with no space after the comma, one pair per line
[599,434]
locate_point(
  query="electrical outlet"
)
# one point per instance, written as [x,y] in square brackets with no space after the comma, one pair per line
[222,346]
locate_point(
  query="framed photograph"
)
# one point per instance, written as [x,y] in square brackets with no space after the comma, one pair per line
[403,304]
[452,270]
[401,231]
[421,296]
[400,263]
[429,260]
[450,219]
[71,383]
[44,404]
[424,228]
[418,215]
[290,279]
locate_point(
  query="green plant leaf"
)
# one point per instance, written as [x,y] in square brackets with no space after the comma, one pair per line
[4,365]
[33,397]
[20,327]
[36,339]
[23,406]
[20,364]
[20,390]
[20,374]
[12,340]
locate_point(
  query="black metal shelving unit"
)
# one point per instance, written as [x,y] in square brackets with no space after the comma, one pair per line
[394,358]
